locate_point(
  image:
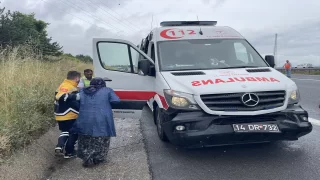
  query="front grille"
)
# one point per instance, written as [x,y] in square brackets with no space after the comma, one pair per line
[233,101]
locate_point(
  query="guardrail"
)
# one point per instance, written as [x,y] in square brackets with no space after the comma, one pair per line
[313,71]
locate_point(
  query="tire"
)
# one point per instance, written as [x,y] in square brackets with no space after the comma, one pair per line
[159,121]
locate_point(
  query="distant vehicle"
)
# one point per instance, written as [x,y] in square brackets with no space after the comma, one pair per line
[305,65]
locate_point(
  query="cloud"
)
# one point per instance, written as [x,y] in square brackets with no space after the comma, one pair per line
[219,3]
[206,1]
[74,23]
[299,43]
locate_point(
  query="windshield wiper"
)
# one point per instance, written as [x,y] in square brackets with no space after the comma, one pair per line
[234,67]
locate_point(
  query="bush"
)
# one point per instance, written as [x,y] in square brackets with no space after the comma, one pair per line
[27,94]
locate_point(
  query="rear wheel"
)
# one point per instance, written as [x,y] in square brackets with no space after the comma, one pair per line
[159,121]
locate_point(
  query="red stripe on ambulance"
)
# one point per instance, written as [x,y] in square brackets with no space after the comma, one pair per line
[135,95]
[140,96]
[163,102]
[231,80]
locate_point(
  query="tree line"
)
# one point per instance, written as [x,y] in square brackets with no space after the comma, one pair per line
[18,29]
[81,57]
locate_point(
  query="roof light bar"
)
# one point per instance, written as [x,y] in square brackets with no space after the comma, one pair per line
[188,23]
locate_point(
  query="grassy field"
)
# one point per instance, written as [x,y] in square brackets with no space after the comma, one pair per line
[26,96]
[304,72]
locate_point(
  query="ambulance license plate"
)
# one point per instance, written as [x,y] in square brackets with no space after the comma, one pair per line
[245,128]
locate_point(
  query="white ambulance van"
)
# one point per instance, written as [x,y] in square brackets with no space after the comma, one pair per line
[205,84]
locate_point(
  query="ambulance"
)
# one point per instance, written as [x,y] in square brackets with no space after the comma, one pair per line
[206,85]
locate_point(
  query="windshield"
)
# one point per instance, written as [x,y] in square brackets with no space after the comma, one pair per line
[207,54]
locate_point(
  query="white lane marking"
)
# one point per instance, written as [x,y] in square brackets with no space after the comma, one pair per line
[314,121]
[306,79]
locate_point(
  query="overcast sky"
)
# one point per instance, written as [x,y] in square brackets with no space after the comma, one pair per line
[73,23]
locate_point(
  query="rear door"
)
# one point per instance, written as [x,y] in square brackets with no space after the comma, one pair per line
[117,61]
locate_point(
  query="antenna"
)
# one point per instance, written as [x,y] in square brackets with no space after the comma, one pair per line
[151,23]
[200,32]
[157,21]
[275,48]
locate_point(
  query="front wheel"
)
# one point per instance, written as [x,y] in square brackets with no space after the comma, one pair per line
[159,121]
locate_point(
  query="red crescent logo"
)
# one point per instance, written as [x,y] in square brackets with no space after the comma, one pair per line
[166,36]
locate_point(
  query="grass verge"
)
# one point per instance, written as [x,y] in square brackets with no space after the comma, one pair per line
[303,72]
[26,96]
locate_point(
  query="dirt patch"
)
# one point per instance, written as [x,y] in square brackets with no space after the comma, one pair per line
[37,161]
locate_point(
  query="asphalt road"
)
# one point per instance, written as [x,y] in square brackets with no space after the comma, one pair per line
[309,87]
[294,160]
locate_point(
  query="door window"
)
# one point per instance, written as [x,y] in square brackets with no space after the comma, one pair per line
[135,55]
[153,57]
[118,57]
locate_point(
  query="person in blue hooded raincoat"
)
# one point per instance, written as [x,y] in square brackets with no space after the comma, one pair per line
[95,123]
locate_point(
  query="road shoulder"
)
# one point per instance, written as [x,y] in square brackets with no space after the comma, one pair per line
[127,158]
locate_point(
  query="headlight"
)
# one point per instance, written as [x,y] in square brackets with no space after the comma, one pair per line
[294,97]
[180,100]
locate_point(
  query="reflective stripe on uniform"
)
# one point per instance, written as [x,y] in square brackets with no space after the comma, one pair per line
[66,112]
[64,134]
[69,116]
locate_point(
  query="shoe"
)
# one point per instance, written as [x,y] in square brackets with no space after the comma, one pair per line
[69,156]
[88,163]
[58,150]
[98,161]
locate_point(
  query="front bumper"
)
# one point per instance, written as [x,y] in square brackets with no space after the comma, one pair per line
[208,130]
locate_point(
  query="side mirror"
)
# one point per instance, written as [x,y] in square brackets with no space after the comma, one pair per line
[270,60]
[144,66]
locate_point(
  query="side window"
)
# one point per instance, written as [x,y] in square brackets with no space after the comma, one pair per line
[143,48]
[116,57]
[241,52]
[152,53]
[135,58]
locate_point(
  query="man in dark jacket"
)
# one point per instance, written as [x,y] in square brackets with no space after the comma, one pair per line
[66,112]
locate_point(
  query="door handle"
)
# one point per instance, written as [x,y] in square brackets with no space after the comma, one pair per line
[107,79]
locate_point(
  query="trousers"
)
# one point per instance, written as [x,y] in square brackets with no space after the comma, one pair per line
[288,72]
[67,139]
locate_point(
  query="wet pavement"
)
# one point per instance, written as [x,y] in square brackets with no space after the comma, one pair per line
[294,160]
[309,87]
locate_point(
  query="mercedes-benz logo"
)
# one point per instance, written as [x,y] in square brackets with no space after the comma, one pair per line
[250,99]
